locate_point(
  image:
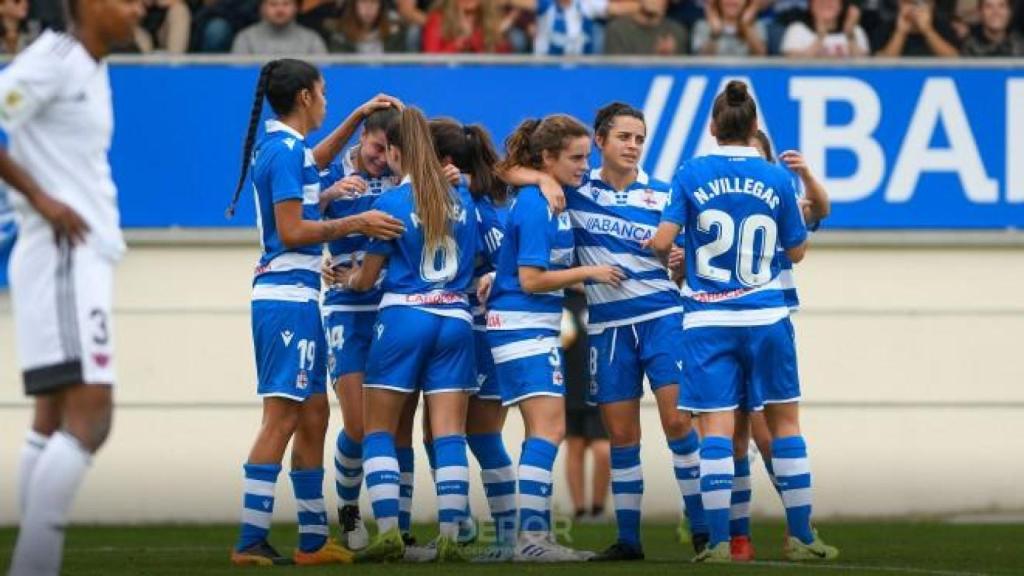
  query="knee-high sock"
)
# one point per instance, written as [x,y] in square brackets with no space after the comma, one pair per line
[58,474]
[30,452]
[739,508]
[499,479]
[309,501]
[348,470]
[380,466]
[452,482]
[686,463]
[535,465]
[793,472]
[716,476]
[627,491]
[406,469]
[257,503]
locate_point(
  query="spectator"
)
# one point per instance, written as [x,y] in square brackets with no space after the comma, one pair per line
[278,33]
[569,26]
[830,29]
[730,28]
[14,18]
[365,28]
[992,36]
[920,31]
[47,14]
[414,17]
[646,32]
[165,26]
[214,26]
[584,428]
[473,26]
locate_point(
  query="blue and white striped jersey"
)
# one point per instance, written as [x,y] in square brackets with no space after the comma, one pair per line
[610,227]
[491,228]
[534,236]
[283,169]
[350,249]
[736,209]
[434,281]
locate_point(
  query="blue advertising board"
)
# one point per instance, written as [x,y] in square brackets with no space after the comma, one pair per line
[899,147]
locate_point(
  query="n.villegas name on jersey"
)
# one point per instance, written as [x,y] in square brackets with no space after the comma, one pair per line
[736,185]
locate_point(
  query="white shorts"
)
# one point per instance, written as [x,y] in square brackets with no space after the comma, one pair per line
[62,298]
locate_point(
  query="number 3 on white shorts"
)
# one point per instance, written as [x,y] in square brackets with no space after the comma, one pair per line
[750,228]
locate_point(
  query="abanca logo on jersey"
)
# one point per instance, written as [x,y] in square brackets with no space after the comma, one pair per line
[618,228]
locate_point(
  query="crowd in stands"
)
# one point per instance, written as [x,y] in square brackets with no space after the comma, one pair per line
[833,29]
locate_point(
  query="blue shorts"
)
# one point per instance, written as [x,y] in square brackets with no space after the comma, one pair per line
[739,367]
[620,356]
[527,363]
[348,338]
[291,353]
[486,376]
[416,350]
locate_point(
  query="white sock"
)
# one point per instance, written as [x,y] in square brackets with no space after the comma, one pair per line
[55,481]
[30,452]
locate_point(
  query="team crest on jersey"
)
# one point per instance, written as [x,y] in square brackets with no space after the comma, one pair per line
[556,378]
[563,221]
[648,198]
[290,143]
[287,336]
[12,101]
[302,380]
[481,379]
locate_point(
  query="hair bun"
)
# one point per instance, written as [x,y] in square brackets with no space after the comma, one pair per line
[736,93]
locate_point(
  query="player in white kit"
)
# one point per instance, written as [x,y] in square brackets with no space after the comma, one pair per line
[55,107]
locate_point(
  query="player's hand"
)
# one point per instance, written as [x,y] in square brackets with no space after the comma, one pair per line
[377,224]
[483,287]
[676,260]
[344,276]
[606,275]
[330,275]
[66,223]
[452,174]
[552,192]
[795,161]
[348,187]
[379,102]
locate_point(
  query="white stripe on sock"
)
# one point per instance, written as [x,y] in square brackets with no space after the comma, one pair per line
[631,474]
[256,517]
[796,498]
[739,510]
[627,501]
[535,474]
[532,502]
[311,505]
[498,475]
[791,466]
[259,487]
[452,474]
[716,499]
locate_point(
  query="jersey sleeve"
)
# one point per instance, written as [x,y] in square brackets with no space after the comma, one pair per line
[26,86]
[534,228]
[286,173]
[792,228]
[675,208]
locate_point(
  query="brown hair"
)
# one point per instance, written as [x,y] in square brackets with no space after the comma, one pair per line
[526,145]
[766,145]
[431,191]
[486,18]
[606,117]
[351,27]
[734,113]
[472,152]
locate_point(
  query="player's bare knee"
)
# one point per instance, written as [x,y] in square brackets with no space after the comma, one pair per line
[91,430]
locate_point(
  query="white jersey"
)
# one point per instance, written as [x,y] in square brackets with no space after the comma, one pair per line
[56,108]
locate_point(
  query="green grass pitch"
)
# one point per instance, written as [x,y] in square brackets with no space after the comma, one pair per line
[884,547]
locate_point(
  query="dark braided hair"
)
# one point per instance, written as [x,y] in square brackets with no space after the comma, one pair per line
[280,83]
[608,114]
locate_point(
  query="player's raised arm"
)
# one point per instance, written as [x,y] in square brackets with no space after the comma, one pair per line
[329,148]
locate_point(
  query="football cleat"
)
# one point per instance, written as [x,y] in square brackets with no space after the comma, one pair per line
[259,554]
[330,553]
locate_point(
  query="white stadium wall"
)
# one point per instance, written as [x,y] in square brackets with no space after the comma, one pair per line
[909,360]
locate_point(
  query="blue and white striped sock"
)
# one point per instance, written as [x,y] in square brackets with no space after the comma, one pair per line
[771,475]
[499,480]
[309,501]
[627,491]
[257,503]
[739,508]
[452,482]
[535,465]
[380,466]
[793,472]
[716,474]
[686,462]
[406,468]
[348,469]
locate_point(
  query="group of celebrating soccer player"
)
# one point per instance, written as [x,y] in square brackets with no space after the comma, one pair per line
[446,274]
